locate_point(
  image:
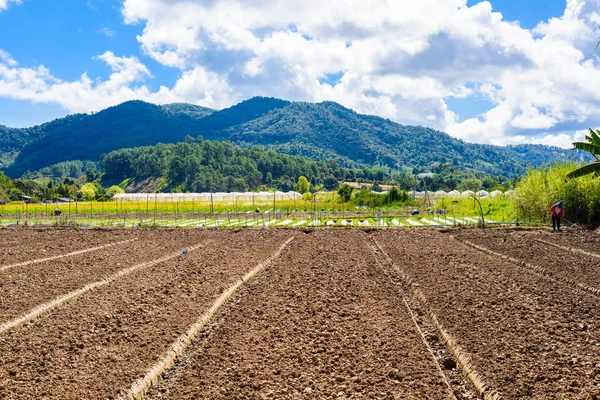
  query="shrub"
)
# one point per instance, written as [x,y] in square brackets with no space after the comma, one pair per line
[345,192]
[110,192]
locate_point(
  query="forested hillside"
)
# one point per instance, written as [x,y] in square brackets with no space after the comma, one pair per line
[13,140]
[328,130]
[206,165]
[86,137]
[319,131]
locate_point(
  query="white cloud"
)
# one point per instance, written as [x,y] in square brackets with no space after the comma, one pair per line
[560,140]
[126,82]
[107,32]
[4,4]
[7,58]
[399,59]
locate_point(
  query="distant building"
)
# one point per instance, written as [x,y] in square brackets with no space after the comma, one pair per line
[26,199]
[64,200]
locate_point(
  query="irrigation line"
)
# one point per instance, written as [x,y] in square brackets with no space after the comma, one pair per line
[64,299]
[571,249]
[141,387]
[414,319]
[484,391]
[40,260]
[548,275]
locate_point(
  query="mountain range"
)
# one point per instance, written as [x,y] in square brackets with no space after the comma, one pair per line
[318,131]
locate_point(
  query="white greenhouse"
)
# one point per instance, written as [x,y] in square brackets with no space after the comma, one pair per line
[219,196]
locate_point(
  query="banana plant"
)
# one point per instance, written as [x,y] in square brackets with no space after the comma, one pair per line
[592,146]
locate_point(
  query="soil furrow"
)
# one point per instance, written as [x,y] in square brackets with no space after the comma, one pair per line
[571,249]
[323,322]
[25,287]
[561,264]
[95,347]
[542,272]
[52,258]
[141,387]
[64,299]
[46,243]
[528,337]
[459,356]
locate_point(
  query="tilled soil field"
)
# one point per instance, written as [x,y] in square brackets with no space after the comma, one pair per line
[322,322]
[330,314]
[95,347]
[528,336]
[30,244]
[532,247]
[27,286]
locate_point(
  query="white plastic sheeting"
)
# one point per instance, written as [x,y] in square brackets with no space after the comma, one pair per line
[219,196]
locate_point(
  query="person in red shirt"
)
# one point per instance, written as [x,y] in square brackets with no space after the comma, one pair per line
[558,212]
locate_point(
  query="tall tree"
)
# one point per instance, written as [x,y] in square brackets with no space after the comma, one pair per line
[302,186]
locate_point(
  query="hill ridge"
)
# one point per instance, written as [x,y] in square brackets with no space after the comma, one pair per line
[325,130]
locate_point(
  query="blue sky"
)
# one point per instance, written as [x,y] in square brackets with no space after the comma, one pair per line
[457,74]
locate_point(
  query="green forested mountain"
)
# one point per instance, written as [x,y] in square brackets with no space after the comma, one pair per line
[319,131]
[328,130]
[87,137]
[13,140]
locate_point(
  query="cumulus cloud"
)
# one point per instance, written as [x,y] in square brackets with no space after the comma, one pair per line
[4,4]
[126,82]
[397,59]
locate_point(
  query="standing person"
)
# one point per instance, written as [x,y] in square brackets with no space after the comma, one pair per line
[558,212]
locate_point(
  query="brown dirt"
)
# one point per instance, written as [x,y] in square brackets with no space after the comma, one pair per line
[28,244]
[323,322]
[530,338]
[580,268]
[97,346]
[25,287]
[584,240]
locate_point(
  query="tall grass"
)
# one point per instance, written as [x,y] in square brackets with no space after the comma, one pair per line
[537,191]
[498,209]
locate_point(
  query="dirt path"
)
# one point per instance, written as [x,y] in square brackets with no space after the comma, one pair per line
[25,287]
[323,322]
[95,347]
[530,338]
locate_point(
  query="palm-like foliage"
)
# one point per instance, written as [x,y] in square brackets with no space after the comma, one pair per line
[592,146]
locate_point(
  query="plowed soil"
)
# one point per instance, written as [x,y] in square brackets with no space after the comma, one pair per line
[578,267]
[320,323]
[98,345]
[324,320]
[28,244]
[25,287]
[528,337]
